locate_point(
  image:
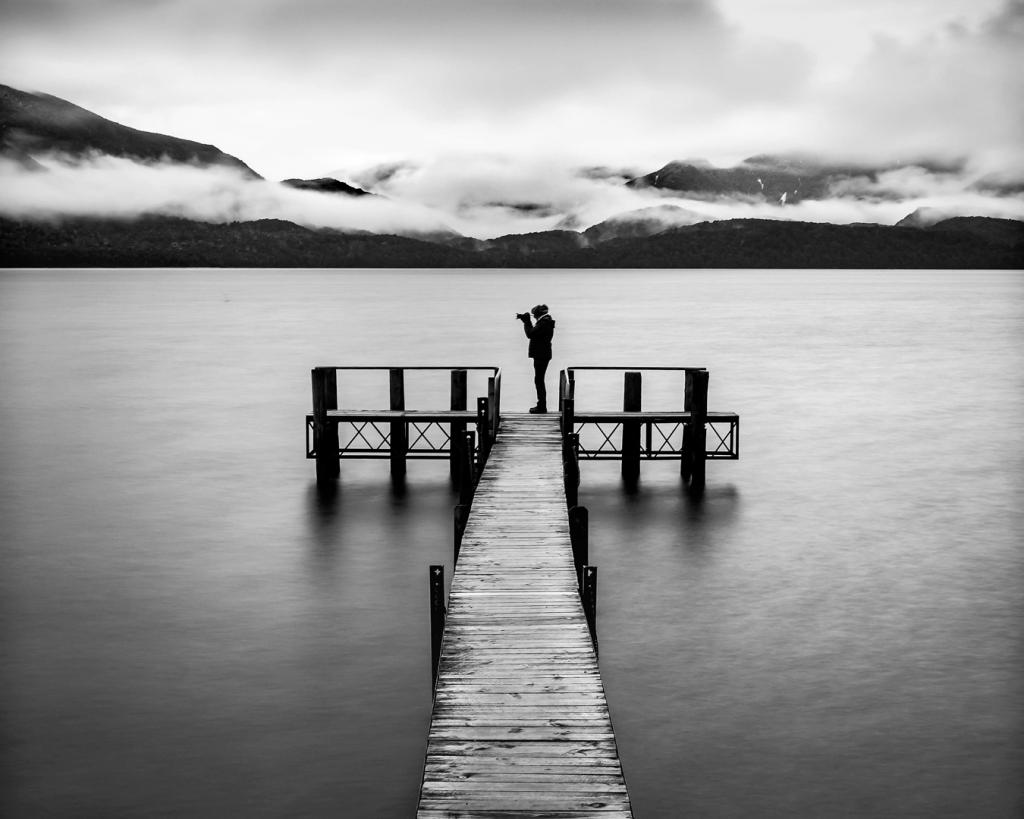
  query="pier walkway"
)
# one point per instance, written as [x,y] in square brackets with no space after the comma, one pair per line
[520,724]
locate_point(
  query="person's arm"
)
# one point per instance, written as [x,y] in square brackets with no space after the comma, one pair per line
[527,325]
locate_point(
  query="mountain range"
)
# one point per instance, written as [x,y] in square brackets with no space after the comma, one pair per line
[790,179]
[34,126]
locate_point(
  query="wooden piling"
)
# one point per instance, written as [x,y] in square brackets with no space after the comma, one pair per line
[331,384]
[325,432]
[579,534]
[457,430]
[571,467]
[437,613]
[494,403]
[685,462]
[483,427]
[399,431]
[588,595]
[698,430]
[467,474]
[568,416]
[631,402]
[461,515]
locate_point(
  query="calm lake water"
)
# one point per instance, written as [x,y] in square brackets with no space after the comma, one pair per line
[187,630]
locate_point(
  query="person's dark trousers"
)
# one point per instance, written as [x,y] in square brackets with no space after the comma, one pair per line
[540,367]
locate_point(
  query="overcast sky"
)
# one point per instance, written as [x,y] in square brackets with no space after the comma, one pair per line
[305,87]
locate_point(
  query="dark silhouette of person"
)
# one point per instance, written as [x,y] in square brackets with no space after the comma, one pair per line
[540,335]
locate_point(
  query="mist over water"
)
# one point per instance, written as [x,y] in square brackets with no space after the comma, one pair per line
[189,629]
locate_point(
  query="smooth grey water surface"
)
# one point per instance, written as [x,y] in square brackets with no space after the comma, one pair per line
[188,629]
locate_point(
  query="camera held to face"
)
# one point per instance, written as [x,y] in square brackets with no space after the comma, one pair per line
[522,316]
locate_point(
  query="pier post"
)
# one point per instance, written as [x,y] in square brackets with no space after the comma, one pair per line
[568,416]
[685,467]
[467,475]
[571,467]
[698,398]
[631,429]
[461,515]
[567,401]
[437,613]
[494,403]
[458,428]
[399,433]
[325,432]
[588,595]
[579,534]
[483,429]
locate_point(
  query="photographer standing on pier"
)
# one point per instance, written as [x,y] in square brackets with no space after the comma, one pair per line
[540,335]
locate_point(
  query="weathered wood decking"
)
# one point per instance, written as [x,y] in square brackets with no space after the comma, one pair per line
[520,725]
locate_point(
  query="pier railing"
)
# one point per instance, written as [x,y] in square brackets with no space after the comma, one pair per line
[688,433]
[399,433]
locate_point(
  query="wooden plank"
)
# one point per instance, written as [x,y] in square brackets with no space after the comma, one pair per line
[478,733]
[524,801]
[547,678]
[512,685]
[553,785]
[482,634]
[504,719]
[469,652]
[548,659]
[466,766]
[478,813]
[520,668]
[439,786]
[520,725]
[602,749]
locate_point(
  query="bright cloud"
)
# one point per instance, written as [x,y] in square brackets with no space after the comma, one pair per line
[300,87]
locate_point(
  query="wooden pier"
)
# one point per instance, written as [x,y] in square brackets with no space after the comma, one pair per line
[520,724]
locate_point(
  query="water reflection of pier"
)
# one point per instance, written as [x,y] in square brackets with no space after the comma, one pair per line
[520,723]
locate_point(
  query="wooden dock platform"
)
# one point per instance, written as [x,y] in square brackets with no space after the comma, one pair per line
[520,725]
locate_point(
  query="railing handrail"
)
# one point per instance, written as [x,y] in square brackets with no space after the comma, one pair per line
[421,367]
[631,394]
[493,387]
[632,369]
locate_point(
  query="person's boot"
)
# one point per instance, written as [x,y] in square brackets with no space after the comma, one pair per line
[538,409]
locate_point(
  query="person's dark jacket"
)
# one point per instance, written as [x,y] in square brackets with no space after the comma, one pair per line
[540,335]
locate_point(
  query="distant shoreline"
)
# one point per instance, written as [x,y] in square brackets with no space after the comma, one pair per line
[155,241]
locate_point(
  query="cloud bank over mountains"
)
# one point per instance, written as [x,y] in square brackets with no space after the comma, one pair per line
[106,186]
[572,100]
[481,197]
